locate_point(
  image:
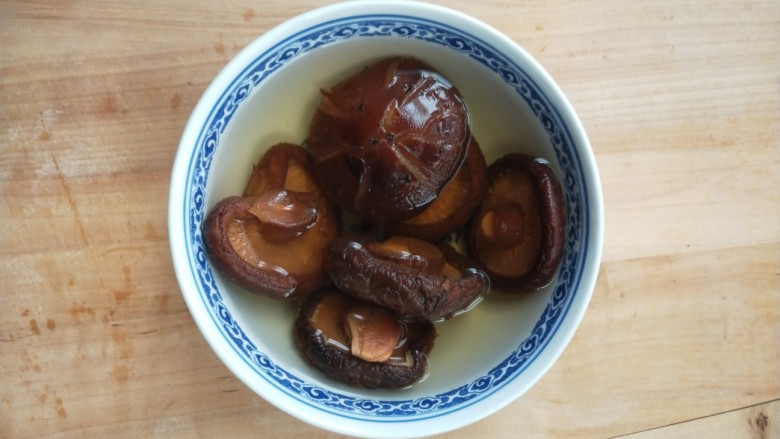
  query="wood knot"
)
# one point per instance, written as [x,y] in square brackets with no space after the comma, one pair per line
[762,422]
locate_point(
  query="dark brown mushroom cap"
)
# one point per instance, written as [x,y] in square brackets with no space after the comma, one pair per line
[453,207]
[408,285]
[385,141]
[517,235]
[273,240]
[340,365]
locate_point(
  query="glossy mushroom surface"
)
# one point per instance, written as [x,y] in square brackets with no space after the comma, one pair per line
[361,344]
[273,240]
[412,277]
[517,235]
[385,141]
[453,207]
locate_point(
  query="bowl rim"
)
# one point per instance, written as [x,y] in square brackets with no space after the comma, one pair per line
[178,199]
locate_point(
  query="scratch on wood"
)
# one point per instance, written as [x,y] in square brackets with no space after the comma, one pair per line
[128,248]
[12,339]
[71,200]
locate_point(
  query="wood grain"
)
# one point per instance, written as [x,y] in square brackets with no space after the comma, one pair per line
[681,101]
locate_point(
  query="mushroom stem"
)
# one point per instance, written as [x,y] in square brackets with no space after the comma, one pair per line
[284,214]
[503,224]
[374,333]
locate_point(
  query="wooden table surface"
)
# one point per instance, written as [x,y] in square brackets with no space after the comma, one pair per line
[681,100]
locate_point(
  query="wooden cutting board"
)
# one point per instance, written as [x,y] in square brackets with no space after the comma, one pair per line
[681,100]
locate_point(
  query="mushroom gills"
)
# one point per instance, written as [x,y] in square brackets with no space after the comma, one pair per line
[243,235]
[512,233]
[517,234]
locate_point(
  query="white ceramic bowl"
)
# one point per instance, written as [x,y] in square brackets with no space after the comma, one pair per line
[483,359]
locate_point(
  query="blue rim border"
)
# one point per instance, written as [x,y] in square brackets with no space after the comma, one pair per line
[346,405]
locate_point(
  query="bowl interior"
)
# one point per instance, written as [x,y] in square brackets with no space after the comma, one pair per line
[281,110]
[271,98]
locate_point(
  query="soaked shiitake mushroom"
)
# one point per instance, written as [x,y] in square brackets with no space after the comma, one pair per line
[272,240]
[517,235]
[385,141]
[412,277]
[361,344]
[454,205]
